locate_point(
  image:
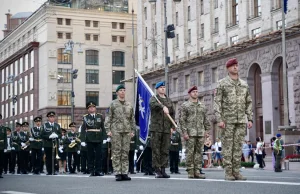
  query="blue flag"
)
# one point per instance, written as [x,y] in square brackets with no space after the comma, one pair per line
[285,6]
[142,108]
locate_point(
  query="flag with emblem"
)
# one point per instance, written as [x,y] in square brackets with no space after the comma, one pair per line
[142,107]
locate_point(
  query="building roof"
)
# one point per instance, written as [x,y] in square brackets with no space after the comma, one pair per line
[21,15]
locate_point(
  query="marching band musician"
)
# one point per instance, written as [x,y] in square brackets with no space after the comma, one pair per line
[61,152]
[15,150]
[25,144]
[83,158]
[7,152]
[3,144]
[72,148]
[50,133]
[36,145]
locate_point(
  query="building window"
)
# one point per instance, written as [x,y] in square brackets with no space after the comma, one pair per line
[154,7]
[64,121]
[92,57]
[68,22]
[96,37]
[114,38]
[114,95]
[122,26]
[202,30]
[118,58]
[189,54]
[216,45]
[92,96]
[63,58]
[92,76]
[177,40]
[59,35]
[216,25]
[118,76]
[68,36]
[202,7]
[189,36]
[234,40]
[175,84]
[235,11]
[87,37]
[201,50]
[200,78]
[95,24]
[87,23]
[154,47]
[216,4]
[146,33]
[64,75]
[63,98]
[59,21]
[215,77]
[122,39]
[187,82]
[114,25]
[257,8]
[176,19]
[256,32]
[155,28]
[146,52]
[279,3]
[145,13]
[189,13]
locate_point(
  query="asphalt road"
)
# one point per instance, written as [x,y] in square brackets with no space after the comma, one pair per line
[259,181]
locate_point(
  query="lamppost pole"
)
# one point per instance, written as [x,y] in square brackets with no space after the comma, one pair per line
[167,58]
[10,80]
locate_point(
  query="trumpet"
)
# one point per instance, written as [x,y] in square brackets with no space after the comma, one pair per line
[27,143]
[72,145]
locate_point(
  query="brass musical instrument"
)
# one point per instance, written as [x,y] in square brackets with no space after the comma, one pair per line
[72,145]
[27,143]
[56,146]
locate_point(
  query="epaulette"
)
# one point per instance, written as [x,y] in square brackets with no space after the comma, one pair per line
[98,113]
[85,115]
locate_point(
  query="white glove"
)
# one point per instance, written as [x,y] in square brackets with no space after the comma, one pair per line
[51,136]
[60,150]
[104,141]
[83,144]
[5,150]
[108,139]
[55,135]
[63,137]
[23,144]
[13,148]
[31,139]
[135,151]
[61,147]
[73,141]
[30,152]
[42,149]
[78,152]
[141,147]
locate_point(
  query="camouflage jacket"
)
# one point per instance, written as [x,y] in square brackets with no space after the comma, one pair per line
[193,119]
[232,101]
[120,118]
[159,120]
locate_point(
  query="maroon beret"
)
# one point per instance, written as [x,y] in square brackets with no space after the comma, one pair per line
[231,62]
[192,88]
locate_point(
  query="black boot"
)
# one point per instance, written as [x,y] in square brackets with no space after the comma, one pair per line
[1,176]
[125,177]
[158,173]
[164,174]
[201,172]
[118,177]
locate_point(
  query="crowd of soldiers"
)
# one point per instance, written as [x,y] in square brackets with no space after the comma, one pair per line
[106,144]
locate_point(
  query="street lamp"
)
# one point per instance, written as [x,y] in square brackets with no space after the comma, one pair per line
[169,33]
[11,80]
[69,50]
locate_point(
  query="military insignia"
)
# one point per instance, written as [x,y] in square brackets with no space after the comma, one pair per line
[141,107]
[98,120]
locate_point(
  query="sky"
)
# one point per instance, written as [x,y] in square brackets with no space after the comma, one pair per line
[16,6]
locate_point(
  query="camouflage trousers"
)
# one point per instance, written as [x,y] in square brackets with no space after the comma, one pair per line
[233,135]
[120,149]
[160,149]
[193,152]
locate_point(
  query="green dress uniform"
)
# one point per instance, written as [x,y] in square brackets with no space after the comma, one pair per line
[48,129]
[83,158]
[3,144]
[175,147]
[106,155]
[24,152]
[72,137]
[15,153]
[36,145]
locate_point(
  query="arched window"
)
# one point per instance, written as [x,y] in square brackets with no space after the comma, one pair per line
[63,58]
[118,58]
[92,57]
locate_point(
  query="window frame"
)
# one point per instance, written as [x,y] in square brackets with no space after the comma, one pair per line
[116,58]
[89,73]
[91,57]
[114,79]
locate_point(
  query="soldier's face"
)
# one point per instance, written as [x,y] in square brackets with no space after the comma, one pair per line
[18,128]
[233,69]
[194,94]
[8,132]
[161,90]
[38,123]
[51,119]
[121,93]
[73,129]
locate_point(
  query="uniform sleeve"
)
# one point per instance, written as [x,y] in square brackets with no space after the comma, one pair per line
[5,139]
[182,119]
[83,130]
[155,105]
[133,126]
[172,111]
[108,120]
[58,131]
[249,112]
[102,127]
[218,103]
[205,120]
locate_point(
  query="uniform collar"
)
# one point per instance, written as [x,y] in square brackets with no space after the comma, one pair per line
[232,82]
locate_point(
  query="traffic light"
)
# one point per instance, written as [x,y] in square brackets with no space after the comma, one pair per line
[74,72]
[170,31]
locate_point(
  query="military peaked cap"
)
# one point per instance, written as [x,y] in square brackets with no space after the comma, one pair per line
[25,124]
[37,119]
[50,114]
[73,124]
[90,103]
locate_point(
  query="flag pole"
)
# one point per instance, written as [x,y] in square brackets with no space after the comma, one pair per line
[152,93]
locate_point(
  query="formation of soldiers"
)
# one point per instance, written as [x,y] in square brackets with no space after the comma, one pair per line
[106,144]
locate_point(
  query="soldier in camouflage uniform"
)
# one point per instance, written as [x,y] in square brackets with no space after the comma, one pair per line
[160,128]
[193,124]
[3,143]
[36,145]
[120,124]
[231,104]
[92,134]
[175,147]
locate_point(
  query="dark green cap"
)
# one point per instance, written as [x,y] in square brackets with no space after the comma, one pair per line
[120,87]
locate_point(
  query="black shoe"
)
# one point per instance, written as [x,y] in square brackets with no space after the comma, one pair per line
[42,172]
[24,173]
[118,177]
[1,176]
[158,173]
[146,173]
[99,174]
[164,174]
[151,173]
[133,172]
[92,174]
[5,172]
[49,174]
[138,171]
[13,172]
[125,177]
[201,172]
[177,173]
[84,173]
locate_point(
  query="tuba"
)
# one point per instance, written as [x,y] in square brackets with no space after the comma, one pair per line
[72,145]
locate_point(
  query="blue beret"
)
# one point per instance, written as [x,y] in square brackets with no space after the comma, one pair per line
[159,84]
[278,135]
